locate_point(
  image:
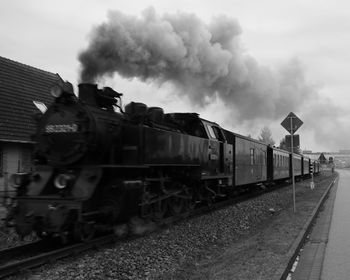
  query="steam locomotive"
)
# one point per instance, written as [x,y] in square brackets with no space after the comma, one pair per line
[98,164]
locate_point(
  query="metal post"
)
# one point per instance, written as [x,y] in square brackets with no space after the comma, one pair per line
[292,165]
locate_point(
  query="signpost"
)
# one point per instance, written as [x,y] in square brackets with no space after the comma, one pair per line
[292,123]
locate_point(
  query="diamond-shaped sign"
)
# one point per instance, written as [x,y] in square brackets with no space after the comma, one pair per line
[291,123]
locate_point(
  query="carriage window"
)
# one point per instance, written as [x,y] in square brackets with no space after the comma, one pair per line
[264,159]
[1,163]
[252,154]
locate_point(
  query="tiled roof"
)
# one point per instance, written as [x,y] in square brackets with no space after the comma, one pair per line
[20,85]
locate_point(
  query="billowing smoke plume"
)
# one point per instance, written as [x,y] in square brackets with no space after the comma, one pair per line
[203,61]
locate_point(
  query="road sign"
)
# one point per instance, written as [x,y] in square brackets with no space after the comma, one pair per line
[291,123]
[296,141]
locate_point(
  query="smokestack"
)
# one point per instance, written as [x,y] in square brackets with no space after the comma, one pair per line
[87,93]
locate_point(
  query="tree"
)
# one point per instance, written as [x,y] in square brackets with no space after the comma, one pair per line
[283,144]
[266,136]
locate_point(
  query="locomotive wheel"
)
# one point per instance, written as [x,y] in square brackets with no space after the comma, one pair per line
[210,201]
[84,231]
[146,211]
[24,224]
[189,203]
[176,205]
[44,236]
[146,208]
[111,209]
[159,210]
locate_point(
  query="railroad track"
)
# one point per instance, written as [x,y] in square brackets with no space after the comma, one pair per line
[46,255]
[22,258]
[17,252]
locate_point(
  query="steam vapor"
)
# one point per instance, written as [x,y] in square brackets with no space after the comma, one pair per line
[203,61]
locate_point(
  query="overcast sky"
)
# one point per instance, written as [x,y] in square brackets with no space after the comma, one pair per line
[256,61]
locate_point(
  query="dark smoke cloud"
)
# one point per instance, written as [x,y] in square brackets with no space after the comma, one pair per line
[203,61]
[328,123]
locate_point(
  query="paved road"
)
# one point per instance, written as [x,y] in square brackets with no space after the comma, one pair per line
[336,263]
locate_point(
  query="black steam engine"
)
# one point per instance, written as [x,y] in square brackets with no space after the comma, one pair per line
[98,165]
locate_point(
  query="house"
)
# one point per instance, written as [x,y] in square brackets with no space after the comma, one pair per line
[20,85]
[322,159]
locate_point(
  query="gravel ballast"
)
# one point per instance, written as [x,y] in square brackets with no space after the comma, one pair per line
[243,241]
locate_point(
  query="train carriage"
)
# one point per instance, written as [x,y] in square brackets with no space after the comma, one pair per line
[250,159]
[306,166]
[316,167]
[297,165]
[279,164]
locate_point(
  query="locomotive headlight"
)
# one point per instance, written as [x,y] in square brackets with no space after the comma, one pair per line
[63,180]
[56,91]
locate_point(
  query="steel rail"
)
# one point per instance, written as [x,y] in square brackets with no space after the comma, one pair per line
[35,261]
[55,254]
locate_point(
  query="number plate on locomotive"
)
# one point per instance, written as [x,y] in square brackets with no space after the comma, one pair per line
[61,128]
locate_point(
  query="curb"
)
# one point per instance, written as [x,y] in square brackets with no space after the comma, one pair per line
[282,273]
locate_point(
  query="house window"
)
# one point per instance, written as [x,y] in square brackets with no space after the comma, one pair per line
[252,154]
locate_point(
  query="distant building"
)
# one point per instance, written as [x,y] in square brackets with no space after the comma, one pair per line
[322,159]
[20,85]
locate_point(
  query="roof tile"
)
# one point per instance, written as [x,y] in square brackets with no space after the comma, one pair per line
[20,85]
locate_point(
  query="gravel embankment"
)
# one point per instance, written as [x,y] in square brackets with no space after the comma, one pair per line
[165,252]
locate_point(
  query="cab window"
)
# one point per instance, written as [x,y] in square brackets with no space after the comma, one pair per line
[211,132]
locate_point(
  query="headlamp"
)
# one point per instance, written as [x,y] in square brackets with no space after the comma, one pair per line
[56,91]
[63,180]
